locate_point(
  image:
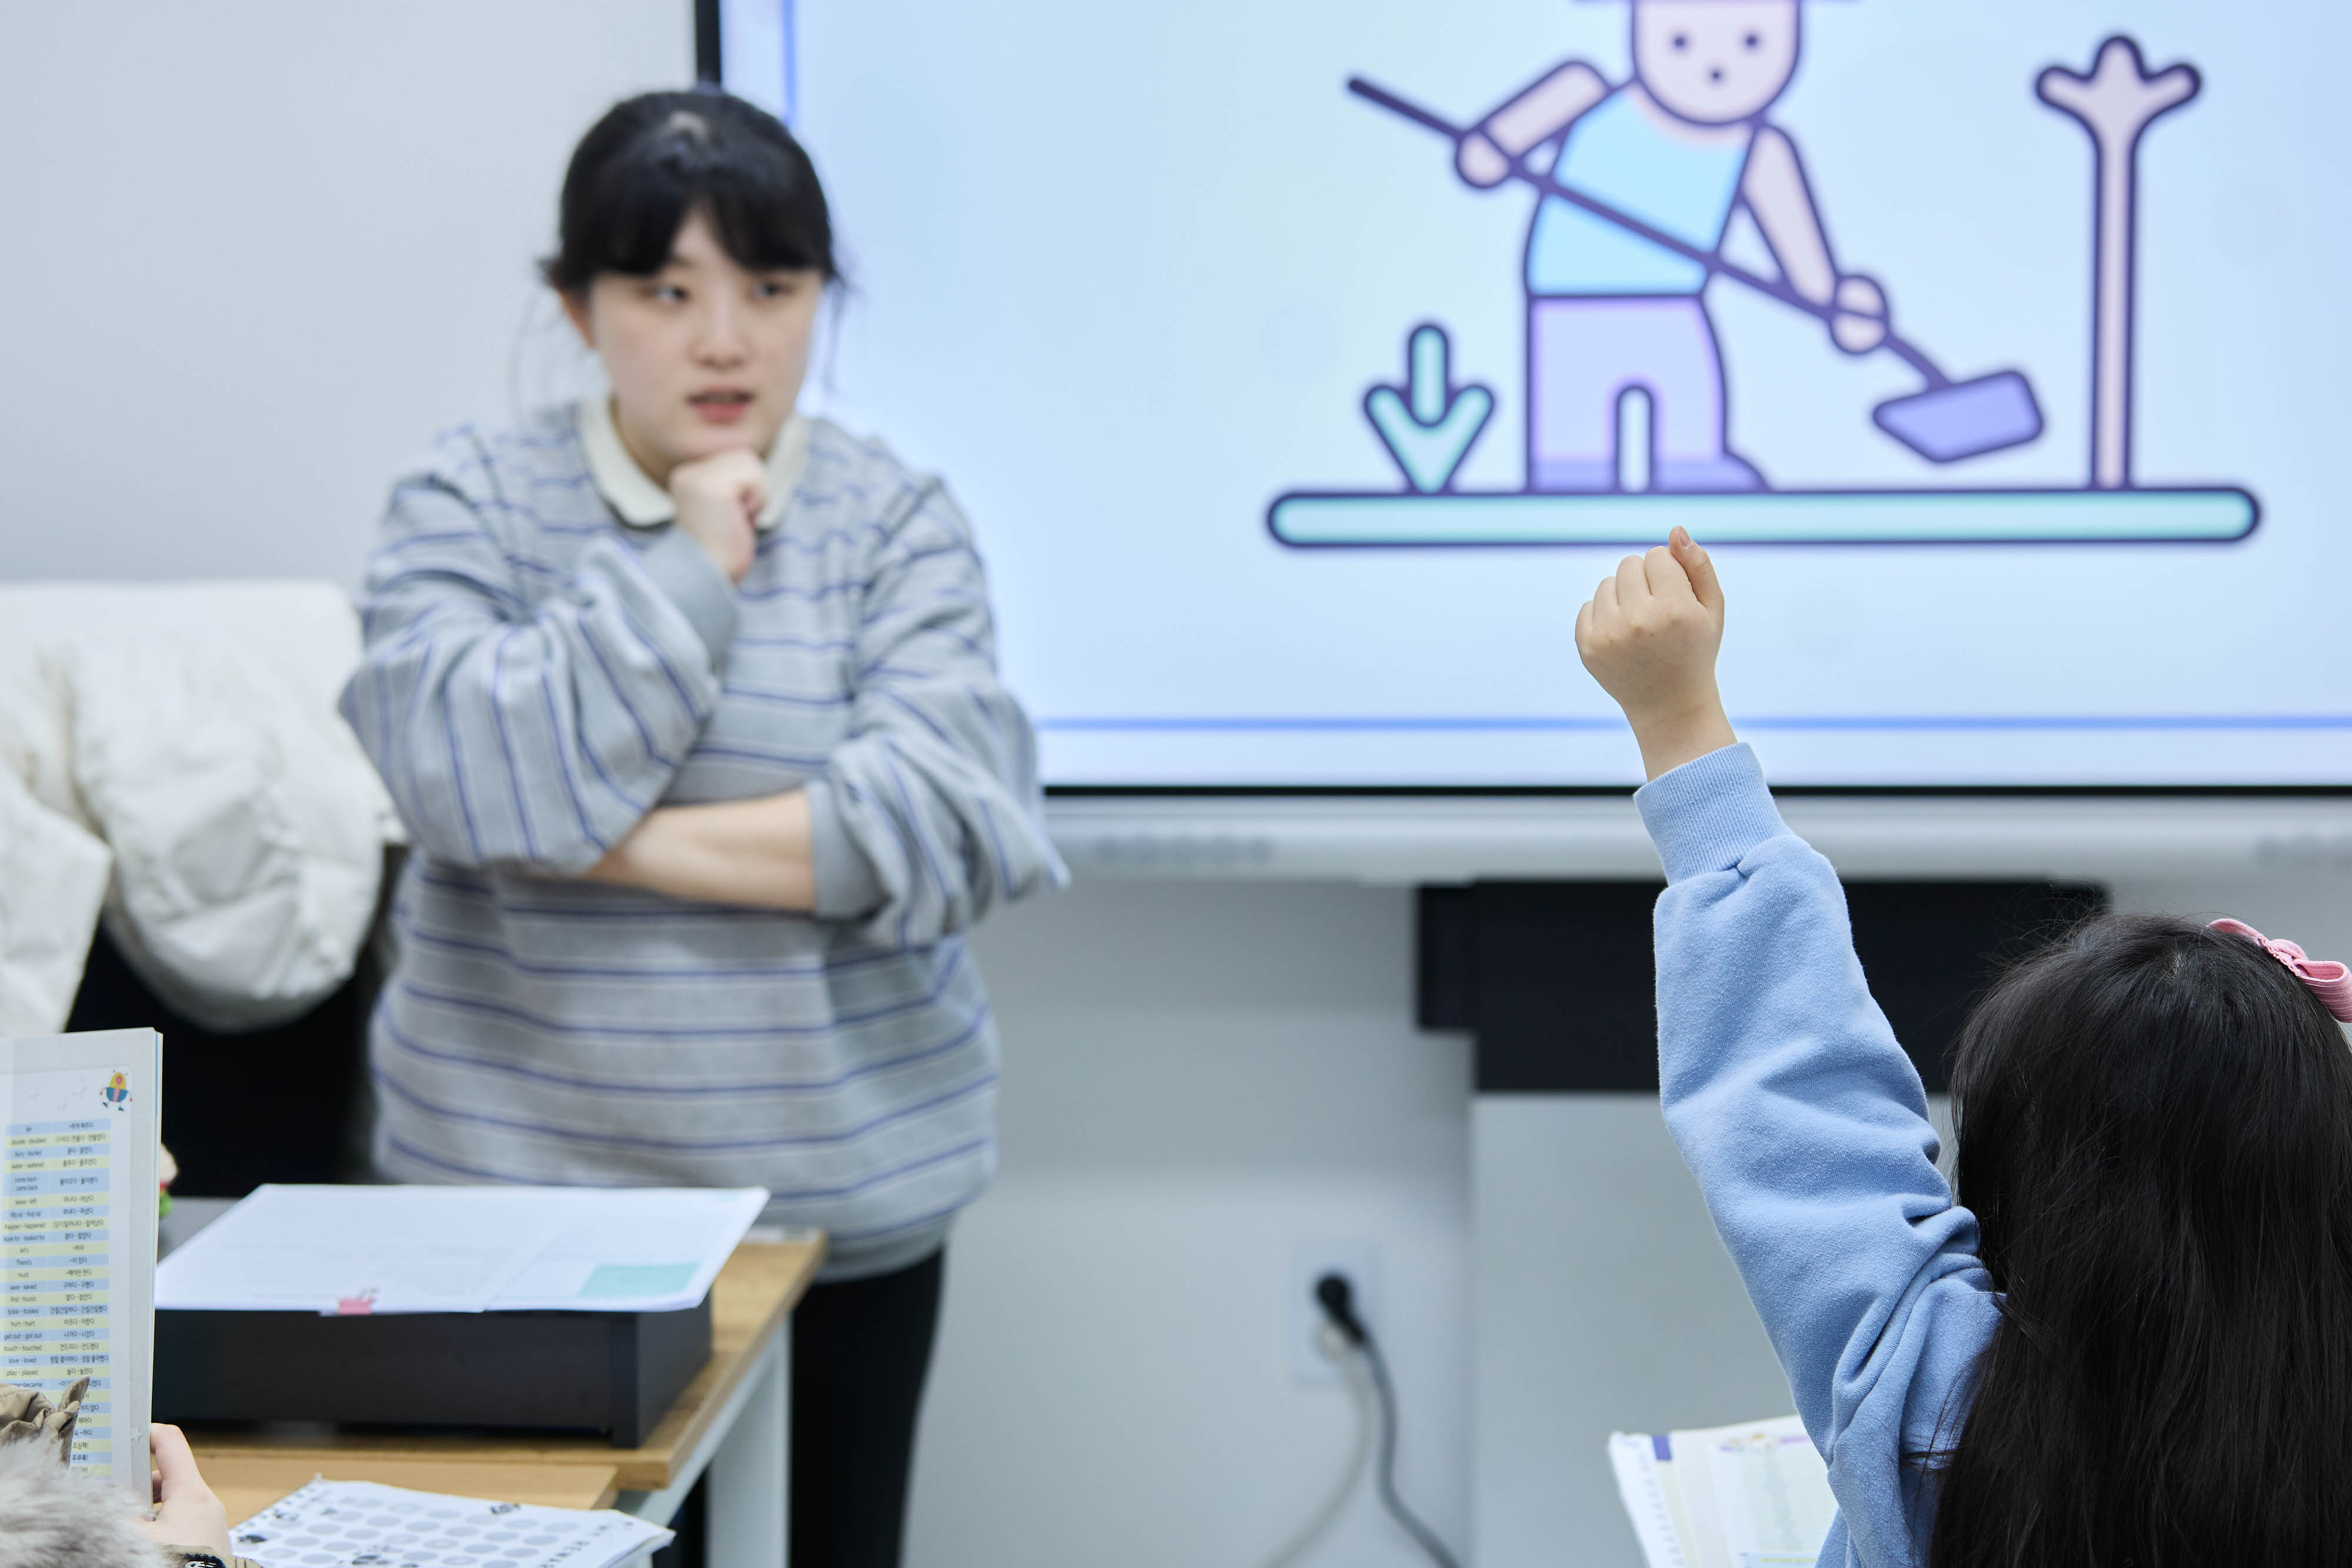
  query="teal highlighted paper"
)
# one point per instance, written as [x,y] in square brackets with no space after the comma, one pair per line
[609,1280]
[1818,517]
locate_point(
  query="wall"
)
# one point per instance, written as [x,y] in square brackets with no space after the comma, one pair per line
[1199,1079]
[258,253]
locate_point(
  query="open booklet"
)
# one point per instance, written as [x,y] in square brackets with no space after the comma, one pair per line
[1752,1496]
[78,1208]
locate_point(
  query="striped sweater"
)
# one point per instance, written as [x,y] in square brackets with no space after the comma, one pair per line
[538,676]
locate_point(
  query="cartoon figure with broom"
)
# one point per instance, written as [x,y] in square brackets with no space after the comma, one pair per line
[1679,148]
[1635,203]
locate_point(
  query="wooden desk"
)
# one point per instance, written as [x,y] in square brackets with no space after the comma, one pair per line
[730,1421]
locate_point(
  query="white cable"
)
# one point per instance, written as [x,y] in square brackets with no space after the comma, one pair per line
[1307,1536]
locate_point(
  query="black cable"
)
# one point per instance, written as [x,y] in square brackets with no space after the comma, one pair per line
[1338,1300]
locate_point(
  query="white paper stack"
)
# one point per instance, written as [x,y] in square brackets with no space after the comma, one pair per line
[354,1249]
[340,1524]
[1752,1496]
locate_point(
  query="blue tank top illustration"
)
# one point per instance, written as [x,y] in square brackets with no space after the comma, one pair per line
[1625,153]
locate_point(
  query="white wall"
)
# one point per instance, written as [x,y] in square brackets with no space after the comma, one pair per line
[1199,1079]
[1604,1304]
[258,253]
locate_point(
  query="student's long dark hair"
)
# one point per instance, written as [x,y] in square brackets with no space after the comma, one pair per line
[2156,1135]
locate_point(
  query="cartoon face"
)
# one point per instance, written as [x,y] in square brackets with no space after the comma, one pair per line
[1713,62]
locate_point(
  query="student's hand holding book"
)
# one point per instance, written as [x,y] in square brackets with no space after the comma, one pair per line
[188,1514]
[1649,635]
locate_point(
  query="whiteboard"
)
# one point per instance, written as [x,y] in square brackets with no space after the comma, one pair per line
[1143,284]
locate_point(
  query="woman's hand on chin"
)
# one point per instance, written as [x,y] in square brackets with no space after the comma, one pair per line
[719,498]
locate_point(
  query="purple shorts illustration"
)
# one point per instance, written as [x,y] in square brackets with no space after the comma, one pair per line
[1584,355]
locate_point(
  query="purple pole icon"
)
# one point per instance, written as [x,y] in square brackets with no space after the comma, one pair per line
[2117,103]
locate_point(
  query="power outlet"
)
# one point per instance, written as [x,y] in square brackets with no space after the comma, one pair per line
[1359,1259]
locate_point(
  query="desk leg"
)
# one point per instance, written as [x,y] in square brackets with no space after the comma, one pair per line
[747,1485]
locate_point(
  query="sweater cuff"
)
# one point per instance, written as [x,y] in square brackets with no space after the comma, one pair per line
[1707,814]
[847,887]
[691,581]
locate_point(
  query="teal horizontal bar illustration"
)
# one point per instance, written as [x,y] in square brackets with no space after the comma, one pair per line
[1777,517]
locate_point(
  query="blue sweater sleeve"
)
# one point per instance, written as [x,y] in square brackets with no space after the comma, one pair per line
[1806,1128]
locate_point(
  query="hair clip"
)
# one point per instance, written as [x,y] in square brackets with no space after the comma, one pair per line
[2330,981]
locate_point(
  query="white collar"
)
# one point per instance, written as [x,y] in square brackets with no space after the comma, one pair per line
[642,504]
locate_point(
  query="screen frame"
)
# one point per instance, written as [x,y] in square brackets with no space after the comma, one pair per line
[1612,791]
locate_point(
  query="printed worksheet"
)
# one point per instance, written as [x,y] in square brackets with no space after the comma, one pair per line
[368,1250]
[1755,1495]
[78,1211]
[342,1524]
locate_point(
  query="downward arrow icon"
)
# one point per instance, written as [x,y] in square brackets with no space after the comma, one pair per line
[1430,425]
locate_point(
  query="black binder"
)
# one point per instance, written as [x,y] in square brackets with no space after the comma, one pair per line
[612,1374]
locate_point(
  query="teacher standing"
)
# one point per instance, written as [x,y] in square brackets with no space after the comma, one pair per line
[690,704]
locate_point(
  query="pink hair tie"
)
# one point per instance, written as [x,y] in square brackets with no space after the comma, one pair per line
[2330,981]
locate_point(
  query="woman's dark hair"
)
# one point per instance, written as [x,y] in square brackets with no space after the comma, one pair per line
[2155,1131]
[655,158]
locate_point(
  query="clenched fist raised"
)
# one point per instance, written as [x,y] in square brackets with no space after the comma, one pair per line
[1649,635]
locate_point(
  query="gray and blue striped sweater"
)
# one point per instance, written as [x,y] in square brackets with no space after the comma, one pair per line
[538,676]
